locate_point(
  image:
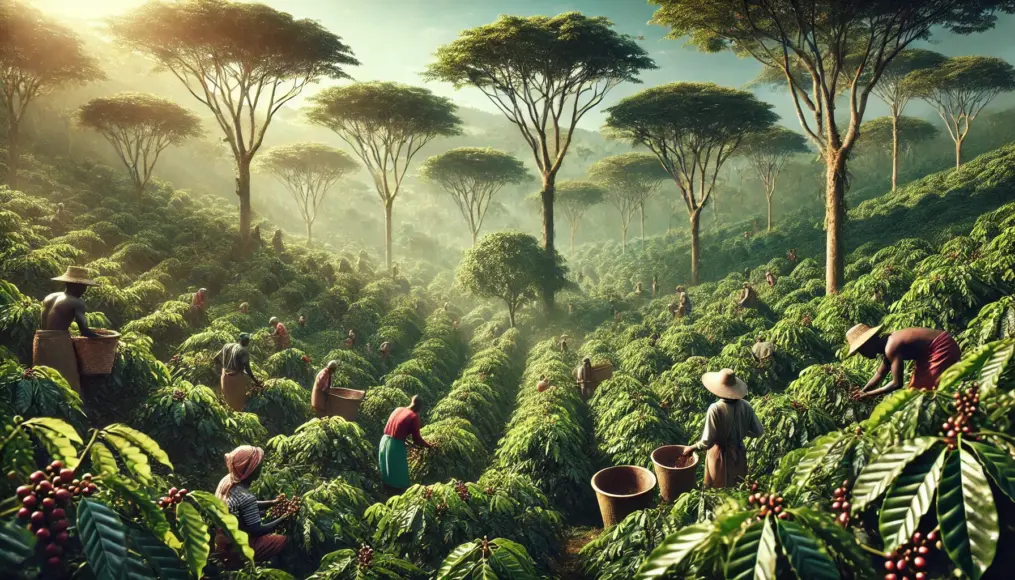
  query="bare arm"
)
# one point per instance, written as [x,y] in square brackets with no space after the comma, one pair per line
[82,320]
[879,375]
[47,305]
[898,367]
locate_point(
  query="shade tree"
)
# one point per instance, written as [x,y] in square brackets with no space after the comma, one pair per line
[847,41]
[140,127]
[629,180]
[37,57]
[574,198]
[692,129]
[894,137]
[243,61]
[308,171]
[386,124]
[544,73]
[510,266]
[472,176]
[767,153]
[959,88]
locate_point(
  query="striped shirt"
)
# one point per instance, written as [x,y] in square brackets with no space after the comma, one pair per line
[243,505]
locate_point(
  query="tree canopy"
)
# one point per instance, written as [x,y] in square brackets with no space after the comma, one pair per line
[512,267]
[472,176]
[544,73]
[574,198]
[629,179]
[960,88]
[692,129]
[37,56]
[308,170]
[876,134]
[386,124]
[139,126]
[243,61]
[767,151]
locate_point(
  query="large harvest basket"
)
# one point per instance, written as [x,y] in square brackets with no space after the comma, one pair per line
[96,355]
[344,403]
[623,490]
[674,480]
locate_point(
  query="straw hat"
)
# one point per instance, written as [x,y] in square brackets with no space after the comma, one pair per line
[76,275]
[858,336]
[724,384]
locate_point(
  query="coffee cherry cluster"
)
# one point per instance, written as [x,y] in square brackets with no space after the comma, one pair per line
[175,496]
[427,492]
[42,507]
[489,490]
[29,373]
[463,491]
[442,508]
[305,359]
[966,405]
[841,504]
[179,395]
[770,503]
[909,561]
[285,506]
[365,556]
[485,547]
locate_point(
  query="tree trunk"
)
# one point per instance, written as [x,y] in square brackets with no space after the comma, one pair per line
[387,235]
[549,181]
[511,316]
[574,229]
[12,149]
[895,151]
[958,153]
[835,191]
[475,237]
[643,227]
[623,237]
[695,250]
[243,192]
[769,199]
[309,237]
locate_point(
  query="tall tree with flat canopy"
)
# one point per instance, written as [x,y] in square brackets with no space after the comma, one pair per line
[472,176]
[767,152]
[893,137]
[140,127]
[845,41]
[37,57]
[544,74]
[574,198]
[692,128]
[386,124]
[512,267]
[896,95]
[308,171]
[629,179]
[959,89]
[243,61]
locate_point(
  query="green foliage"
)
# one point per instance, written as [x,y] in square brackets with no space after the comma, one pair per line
[485,558]
[788,424]
[37,392]
[346,565]
[330,447]
[828,387]
[292,364]
[620,550]
[630,421]
[457,452]
[281,406]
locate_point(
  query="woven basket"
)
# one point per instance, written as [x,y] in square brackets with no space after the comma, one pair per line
[623,490]
[96,355]
[344,403]
[673,480]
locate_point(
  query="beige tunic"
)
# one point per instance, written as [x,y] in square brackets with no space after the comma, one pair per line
[726,425]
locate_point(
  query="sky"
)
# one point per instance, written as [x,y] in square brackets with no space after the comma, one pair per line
[395,40]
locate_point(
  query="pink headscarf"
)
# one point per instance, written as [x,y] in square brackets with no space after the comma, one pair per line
[241,463]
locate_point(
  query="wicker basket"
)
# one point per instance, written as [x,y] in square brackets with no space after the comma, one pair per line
[673,480]
[623,490]
[96,355]
[344,403]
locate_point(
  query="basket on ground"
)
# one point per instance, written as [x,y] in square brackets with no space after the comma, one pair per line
[622,490]
[675,472]
[97,354]
[344,403]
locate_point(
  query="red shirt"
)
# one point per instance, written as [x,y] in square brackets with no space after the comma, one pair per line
[198,300]
[402,423]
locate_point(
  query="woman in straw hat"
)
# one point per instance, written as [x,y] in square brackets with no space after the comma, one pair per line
[931,350]
[244,466]
[728,421]
[52,346]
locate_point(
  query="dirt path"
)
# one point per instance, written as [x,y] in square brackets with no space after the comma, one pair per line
[575,539]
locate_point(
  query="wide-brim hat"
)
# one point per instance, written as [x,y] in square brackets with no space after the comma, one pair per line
[76,275]
[724,384]
[858,336]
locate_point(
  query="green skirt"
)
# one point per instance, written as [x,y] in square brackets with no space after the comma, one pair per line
[394,462]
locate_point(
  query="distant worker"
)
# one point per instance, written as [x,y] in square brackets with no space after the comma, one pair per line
[727,422]
[653,339]
[394,271]
[683,303]
[762,349]
[455,325]
[279,334]
[543,384]
[234,358]
[52,346]
[770,279]
[932,352]
[570,307]
[384,350]
[655,286]
[276,242]
[200,300]
[748,297]
[244,308]
[747,235]
[255,236]
[319,396]
[563,344]
[791,256]
[391,455]
[585,384]
[350,340]
[370,348]
[637,288]
[672,309]
[616,316]
[302,322]
[496,330]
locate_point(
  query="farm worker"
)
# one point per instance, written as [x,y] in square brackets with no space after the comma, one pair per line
[655,286]
[302,322]
[255,236]
[394,462]
[279,333]
[585,378]
[762,349]
[276,242]
[770,278]
[319,396]
[791,256]
[932,352]
[447,305]
[351,340]
[394,271]
[244,466]
[570,307]
[616,316]
[637,288]
[727,422]
[543,384]
[563,343]
[53,346]
[748,297]
[454,325]
[683,303]
[200,300]
[385,350]
[244,308]
[234,358]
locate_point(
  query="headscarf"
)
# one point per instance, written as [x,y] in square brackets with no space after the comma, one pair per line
[241,463]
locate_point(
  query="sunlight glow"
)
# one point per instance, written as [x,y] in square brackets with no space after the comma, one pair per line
[87,10]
